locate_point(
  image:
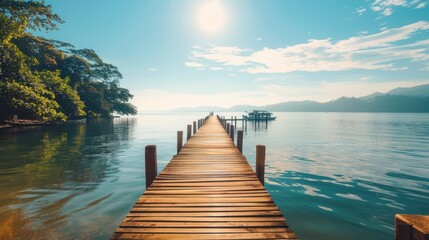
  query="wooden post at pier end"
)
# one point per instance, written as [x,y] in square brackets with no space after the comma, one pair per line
[240,140]
[228,128]
[179,141]
[411,227]
[150,164]
[189,132]
[231,132]
[195,127]
[260,162]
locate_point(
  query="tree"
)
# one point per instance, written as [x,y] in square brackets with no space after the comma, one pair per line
[34,14]
[48,79]
[68,99]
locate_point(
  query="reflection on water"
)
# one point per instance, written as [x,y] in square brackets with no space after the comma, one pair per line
[45,171]
[345,175]
[334,175]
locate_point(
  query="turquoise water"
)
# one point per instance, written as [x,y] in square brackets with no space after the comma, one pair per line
[334,175]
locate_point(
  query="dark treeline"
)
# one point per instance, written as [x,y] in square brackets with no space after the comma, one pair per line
[384,103]
[51,80]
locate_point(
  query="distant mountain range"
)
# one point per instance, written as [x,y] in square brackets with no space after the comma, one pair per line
[412,99]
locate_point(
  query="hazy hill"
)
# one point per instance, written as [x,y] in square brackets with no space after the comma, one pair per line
[420,90]
[413,99]
[416,91]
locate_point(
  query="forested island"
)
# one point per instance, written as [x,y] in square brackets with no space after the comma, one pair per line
[49,80]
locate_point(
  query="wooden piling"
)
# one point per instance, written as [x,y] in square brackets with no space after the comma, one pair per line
[179,141]
[411,227]
[195,127]
[150,164]
[240,140]
[260,162]
[231,132]
[228,128]
[189,132]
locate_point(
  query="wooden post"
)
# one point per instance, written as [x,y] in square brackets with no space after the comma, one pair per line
[179,141]
[189,132]
[150,164]
[260,162]
[411,227]
[227,128]
[231,132]
[240,140]
[195,127]
[235,119]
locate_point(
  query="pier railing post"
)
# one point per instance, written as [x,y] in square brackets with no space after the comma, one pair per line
[231,132]
[227,128]
[260,162]
[240,140]
[150,164]
[179,141]
[189,132]
[411,227]
[195,127]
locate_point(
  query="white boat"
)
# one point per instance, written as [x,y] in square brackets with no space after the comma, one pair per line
[259,115]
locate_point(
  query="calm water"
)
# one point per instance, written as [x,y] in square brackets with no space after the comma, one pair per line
[334,175]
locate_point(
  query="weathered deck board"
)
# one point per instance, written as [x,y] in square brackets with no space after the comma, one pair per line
[207,191]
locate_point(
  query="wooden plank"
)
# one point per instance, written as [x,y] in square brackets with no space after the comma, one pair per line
[201,230]
[207,191]
[285,235]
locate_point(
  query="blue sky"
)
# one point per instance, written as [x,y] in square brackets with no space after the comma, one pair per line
[176,53]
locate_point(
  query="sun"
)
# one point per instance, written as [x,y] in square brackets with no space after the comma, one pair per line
[211,16]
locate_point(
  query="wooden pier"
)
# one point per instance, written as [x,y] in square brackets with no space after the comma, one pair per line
[207,191]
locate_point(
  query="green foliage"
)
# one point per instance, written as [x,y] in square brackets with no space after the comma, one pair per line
[51,80]
[42,50]
[77,69]
[33,101]
[102,99]
[67,97]
[9,28]
[34,14]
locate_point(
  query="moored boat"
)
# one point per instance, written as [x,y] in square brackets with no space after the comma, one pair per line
[259,115]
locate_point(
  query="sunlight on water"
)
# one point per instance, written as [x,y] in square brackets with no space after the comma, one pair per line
[334,175]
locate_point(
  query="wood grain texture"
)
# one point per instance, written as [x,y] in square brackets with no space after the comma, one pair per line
[207,191]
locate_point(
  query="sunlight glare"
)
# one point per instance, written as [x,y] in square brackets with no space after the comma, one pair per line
[211,16]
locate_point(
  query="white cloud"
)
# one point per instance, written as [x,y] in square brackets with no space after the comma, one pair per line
[216,68]
[386,7]
[377,51]
[151,69]
[194,64]
[360,11]
[421,5]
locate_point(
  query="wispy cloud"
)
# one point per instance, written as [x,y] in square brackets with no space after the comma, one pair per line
[151,69]
[194,65]
[421,5]
[216,68]
[386,7]
[382,51]
[360,11]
